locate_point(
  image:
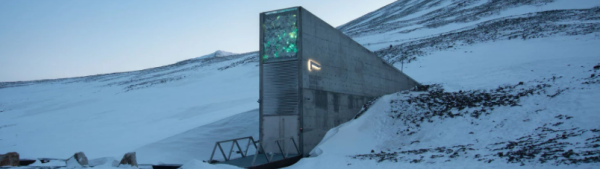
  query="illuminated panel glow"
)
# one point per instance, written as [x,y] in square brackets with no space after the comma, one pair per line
[280,34]
[313,65]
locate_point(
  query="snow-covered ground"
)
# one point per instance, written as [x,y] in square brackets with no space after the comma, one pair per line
[387,130]
[199,142]
[524,68]
[554,126]
[394,28]
[104,117]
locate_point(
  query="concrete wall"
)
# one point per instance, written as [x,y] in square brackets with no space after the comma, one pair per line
[279,78]
[350,75]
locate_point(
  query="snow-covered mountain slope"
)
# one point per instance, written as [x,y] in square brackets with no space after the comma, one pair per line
[483,118]
[477,51]
[109,115]
[451,25]
[517,87]
[199,142]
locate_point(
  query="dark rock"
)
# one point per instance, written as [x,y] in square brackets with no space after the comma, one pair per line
[422,88]
[568,154]
[81,158]
[437,156]
[77,160]
[130,159]
[9,159]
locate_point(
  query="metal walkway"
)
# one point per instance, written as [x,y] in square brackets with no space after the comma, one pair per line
[259,159]
[262,162]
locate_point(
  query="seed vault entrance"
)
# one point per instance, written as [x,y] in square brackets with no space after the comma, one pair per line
[312,78]
[279,83]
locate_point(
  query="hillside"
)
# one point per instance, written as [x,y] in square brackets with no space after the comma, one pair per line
[111,114]
[511,83]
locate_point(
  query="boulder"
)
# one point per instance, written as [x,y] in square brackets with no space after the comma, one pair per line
[78,159]
[9,159]
[81,158]
[129,158]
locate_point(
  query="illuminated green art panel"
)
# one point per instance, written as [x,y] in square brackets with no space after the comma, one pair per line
[280,35]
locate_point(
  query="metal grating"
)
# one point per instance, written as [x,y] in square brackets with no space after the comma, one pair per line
[280,88]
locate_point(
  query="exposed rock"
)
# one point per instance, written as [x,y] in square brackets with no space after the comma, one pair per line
[77,160]
[129,158]
[9,159]
[81,158]
[421,88]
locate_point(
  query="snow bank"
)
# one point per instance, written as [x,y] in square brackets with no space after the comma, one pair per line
[196,164]
[552,124]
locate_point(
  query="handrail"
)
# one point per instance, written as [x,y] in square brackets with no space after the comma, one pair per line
[234,142]
[257,152]
[259,148]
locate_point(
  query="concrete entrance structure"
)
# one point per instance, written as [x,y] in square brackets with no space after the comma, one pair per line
[313,78]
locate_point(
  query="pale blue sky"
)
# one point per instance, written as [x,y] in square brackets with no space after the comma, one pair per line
[46,39]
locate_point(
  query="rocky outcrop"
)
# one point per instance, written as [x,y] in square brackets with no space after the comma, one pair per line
[9,159]
[129,158]
[78,159]
[81,158]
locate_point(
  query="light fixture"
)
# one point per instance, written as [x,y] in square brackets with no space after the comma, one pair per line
[312,65]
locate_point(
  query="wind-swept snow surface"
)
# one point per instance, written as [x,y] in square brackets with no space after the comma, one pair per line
[513,83]
[509,88]
[500,109]
[199,142]
[109,115]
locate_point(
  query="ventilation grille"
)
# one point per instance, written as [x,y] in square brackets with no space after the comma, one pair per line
[280,88]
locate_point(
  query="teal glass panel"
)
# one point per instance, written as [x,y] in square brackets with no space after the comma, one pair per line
[280,34]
